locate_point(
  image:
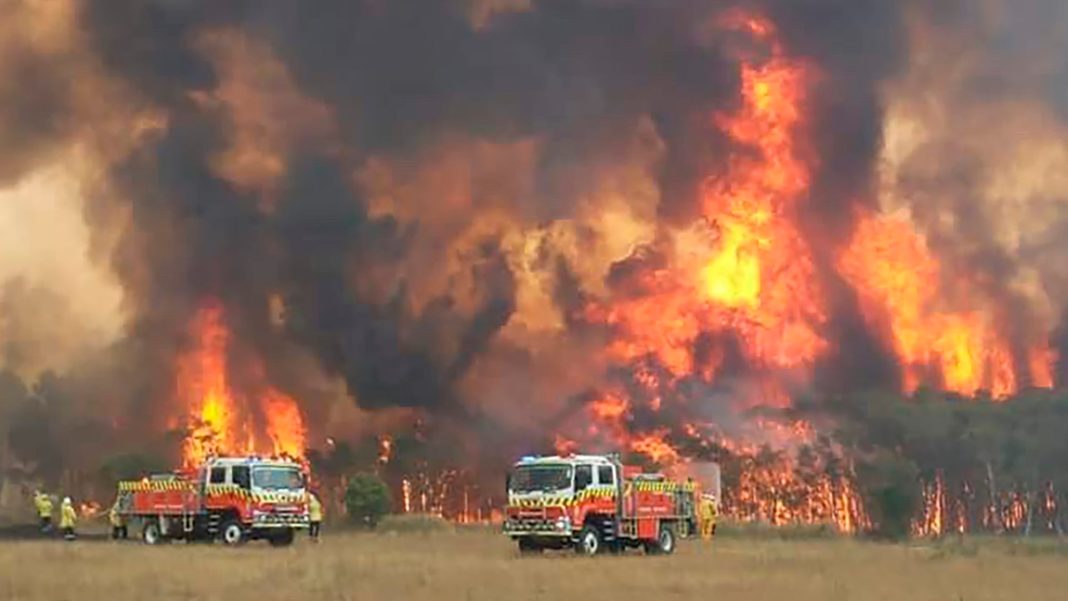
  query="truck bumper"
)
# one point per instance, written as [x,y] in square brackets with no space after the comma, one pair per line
[274,521]
[539,528]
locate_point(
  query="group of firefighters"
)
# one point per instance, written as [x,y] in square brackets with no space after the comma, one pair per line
[68,517]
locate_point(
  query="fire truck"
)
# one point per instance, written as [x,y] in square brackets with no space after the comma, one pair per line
[232,499]
[595,503]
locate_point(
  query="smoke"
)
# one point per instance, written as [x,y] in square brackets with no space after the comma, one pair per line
[975,145]
[413,204]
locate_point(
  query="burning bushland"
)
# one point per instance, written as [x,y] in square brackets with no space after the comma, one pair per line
[813,241]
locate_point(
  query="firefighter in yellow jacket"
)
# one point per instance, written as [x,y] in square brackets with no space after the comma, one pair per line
[708,514]
[118,522]
[315,516]
[43,504]
[67,518]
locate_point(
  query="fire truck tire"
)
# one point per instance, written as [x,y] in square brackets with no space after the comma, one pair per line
[231,533]
[590,541]
[665,541]
[151,534]
[281,539]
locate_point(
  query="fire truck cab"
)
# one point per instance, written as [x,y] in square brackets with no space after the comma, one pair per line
[233,499]
[595,503]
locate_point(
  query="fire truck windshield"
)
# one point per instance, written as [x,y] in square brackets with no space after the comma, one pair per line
[277,478]
[547,478]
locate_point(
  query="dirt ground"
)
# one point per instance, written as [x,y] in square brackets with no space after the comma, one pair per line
[482,565]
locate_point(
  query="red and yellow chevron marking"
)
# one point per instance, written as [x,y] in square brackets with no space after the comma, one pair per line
[154,485]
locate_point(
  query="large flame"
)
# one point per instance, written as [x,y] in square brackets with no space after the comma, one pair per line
[900,284]
[221,421]
[745,275]
[761,280]
[745,272]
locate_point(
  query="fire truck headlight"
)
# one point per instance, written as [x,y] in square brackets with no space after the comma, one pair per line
[563,523]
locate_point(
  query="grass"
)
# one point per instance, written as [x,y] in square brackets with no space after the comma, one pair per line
[444,564]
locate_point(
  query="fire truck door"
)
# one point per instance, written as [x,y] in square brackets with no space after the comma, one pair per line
[606,476]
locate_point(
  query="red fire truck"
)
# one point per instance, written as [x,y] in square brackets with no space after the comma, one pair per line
[594,503]
[234,499]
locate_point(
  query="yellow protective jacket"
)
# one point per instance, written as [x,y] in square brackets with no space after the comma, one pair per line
[67,516]
[44,505]
[708,511]
[116,519]
[315,509]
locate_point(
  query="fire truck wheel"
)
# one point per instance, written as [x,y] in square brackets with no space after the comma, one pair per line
[232,533]
[151,533]
[589,542]
[665,542]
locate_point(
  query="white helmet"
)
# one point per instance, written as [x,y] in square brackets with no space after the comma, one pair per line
[66,500]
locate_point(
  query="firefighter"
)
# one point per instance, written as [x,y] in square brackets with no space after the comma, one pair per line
[118,522]
[43,504]
[67,519]
[315,516]
[708,514]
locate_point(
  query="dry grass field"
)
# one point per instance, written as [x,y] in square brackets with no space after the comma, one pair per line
[480,565]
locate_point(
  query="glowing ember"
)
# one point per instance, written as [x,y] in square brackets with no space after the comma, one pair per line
[406,495]
[385,449]
[89,509]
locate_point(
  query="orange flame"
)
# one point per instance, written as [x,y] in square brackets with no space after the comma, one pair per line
[202,383]
[655,447]
[221,421]
[285,425]
[609,408]
[898,282]
[761,279]
[773,490]
[757,279]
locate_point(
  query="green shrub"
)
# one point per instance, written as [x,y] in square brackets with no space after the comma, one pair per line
[367,499]
[891,494]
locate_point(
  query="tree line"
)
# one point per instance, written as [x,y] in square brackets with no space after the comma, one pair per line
[932,463]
